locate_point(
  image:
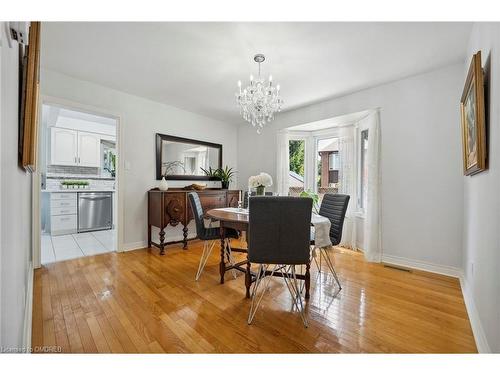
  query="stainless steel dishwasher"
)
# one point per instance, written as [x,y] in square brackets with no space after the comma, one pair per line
[95,211]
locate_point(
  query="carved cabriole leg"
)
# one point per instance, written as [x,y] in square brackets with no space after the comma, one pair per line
[162,241]
[185,233]
[222,264]
[308,279]
[248,280]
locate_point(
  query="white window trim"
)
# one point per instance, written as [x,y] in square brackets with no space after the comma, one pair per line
[312,138]
[360,211]
[306,137]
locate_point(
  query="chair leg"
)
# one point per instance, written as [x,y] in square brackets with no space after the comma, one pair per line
[290,287]
[320,261]
[261,274]
[207,250]
[329,263]
[295,291]
[316,262]
[253,306]
[300,304]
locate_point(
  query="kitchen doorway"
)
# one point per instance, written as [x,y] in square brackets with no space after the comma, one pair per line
[76,201]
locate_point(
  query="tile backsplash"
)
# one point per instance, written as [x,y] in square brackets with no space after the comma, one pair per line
[72,170]
[96,184]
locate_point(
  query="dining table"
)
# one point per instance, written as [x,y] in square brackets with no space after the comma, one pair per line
[237,219]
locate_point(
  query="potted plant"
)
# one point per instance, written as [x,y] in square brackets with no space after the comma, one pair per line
[260,182]
[226,176]
[210,172]
[314,197]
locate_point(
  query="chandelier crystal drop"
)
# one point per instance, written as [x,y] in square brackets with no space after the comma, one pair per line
[260,100]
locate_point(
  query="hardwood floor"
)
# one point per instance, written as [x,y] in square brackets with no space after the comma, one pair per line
[141,302]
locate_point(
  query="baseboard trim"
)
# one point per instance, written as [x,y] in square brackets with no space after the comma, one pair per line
[134,245]
[475,322]
[28,308]
[421,265]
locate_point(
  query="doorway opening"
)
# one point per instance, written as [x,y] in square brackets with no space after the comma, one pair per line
[78,162]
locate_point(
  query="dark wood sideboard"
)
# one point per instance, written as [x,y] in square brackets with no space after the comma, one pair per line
[172,207]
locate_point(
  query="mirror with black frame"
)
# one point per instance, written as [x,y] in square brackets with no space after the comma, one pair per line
[185,159]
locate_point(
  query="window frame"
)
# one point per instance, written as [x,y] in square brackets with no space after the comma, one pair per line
[360,210]
[301,136]
[310,163]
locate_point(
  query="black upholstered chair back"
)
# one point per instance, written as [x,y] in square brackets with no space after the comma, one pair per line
[245,197]
[334,207]
[197,208]
[279,230]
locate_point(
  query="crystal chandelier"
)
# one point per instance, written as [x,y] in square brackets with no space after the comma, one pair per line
[260,100]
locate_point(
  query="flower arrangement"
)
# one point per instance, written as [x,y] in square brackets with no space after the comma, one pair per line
[260,182]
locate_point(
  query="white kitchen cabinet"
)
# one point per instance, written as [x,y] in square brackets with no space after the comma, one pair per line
[63,146]
[75,148]
[63,213]
[89,149]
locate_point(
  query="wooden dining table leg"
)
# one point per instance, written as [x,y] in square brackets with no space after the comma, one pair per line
[222,264]
[308,279]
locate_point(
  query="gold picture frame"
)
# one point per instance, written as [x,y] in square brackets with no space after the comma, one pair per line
[30,91]
[472,110]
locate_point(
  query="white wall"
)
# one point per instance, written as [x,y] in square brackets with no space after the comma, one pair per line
[422,186]
[481,256]
[140,120]
[15,207]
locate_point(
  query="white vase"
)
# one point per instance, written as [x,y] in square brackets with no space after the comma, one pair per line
[163,184]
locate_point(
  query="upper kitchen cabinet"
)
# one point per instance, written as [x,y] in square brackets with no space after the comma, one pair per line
[89,150]
[71,147]
[63,146]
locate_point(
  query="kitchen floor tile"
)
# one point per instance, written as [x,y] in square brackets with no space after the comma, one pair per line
[65,253]
[104,234]
[90,245]
[47,251]
[64,242]
[59,248]
[107,239]
[82,236]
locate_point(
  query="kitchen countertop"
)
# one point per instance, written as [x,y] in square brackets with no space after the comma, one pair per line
[79,177]
[78,191]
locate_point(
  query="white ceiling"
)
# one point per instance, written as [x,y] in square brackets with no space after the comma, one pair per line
[195,66]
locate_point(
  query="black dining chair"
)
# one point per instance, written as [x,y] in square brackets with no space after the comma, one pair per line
[278,241]
[333,207]
[252,194]
[210,235]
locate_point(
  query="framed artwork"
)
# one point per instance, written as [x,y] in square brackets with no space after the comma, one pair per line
[472,108]
[29,87]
